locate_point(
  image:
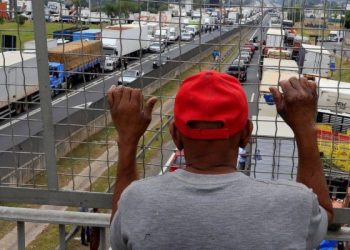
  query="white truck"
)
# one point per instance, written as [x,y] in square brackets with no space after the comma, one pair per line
[314,60]
[333,95]
[336,35]
[174,33]
[162,35]
[126,40]
[275,38]
[20,84]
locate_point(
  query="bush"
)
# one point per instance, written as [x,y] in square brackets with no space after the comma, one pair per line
[2,20]
[20,19]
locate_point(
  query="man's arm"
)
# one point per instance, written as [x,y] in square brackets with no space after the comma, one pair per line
[131,120]
[298,106]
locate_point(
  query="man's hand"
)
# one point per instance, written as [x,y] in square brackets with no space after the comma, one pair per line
[298,103]
[129,116]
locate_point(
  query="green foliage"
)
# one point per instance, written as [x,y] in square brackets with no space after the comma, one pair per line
[347,19]
[20,20]
[120,8]
[2,20]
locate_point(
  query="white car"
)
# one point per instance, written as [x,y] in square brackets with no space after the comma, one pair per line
[186,37]
[128,76]
[157,47]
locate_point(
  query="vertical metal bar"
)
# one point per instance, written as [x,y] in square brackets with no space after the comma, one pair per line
[21,243]
[62,236]
[45,93]
[102,238]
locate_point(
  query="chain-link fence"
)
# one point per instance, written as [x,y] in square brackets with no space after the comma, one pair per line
[59,59]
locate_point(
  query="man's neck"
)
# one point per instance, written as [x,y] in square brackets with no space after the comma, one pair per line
[222,169]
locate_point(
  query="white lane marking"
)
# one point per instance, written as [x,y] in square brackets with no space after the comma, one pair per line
[252,97]
[167,164]
[82,106]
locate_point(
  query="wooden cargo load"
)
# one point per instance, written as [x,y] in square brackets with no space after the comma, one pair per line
[75,54]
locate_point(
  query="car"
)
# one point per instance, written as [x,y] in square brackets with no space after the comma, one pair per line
[157,47]
[158,62]
[247,50]
[249,45]
[128,76]
[245,58]
[238,71]
[177,161]
[186,37]
[245,53]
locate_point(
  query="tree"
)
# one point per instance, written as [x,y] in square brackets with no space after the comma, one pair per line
[347,19]
[120,8]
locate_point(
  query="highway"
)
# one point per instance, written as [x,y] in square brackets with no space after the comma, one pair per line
[21,137]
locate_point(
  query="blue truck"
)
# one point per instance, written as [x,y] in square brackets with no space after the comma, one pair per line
[75,62]
[90,34]
[67,34]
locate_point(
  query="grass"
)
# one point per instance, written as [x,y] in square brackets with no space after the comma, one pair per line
[25,32]
[343,70]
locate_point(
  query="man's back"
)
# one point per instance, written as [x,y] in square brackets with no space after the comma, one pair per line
[182,210]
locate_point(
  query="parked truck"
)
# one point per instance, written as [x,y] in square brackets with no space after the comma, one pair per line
[127,40]
[162,35]
[274,39]
[174,33]
[74,62]
[19,82]
[314,60]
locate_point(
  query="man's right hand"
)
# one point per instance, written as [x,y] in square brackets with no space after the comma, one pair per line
[297,105]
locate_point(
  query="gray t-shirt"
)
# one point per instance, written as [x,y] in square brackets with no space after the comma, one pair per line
[182,210]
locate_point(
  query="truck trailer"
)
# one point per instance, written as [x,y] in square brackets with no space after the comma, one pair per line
[73,62]
[274,39]
[127,40]
[19,86]
[314,60]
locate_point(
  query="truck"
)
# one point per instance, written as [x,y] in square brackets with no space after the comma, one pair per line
[314,60]
[174,33]
[90,34]
[67,34]
[192,29]
[73,62]
[274,39]
[162,35]
[20,85]
[278,65]
[122,41]
[336,35]
[333,95]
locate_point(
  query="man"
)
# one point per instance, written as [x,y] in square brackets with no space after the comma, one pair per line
[210,205]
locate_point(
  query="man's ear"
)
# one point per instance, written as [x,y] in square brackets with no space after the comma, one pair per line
[246,134]
[175,134]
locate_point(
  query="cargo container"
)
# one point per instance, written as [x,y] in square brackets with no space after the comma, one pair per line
[274,39]
[19,84]
[90,34]
[67,34]
[314,60]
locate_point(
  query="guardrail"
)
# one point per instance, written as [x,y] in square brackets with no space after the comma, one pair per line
[102,221]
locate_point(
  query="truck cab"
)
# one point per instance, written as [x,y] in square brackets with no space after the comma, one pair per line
[56,76]
[111,59]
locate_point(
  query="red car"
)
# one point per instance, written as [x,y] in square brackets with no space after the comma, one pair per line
[177,161]
[251,46]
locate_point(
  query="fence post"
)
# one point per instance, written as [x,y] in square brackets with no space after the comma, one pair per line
[45,93]
[62,236]
[21,243]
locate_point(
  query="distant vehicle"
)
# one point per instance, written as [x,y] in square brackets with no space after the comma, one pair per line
[336,35]
[245,58]
[67,34]
[186,37]
[247,49]
[157,47]
[238,71]
[238,62]
[192,29]
[162,35]
[245,53]
[160,61]
[128,76]
[178,161]
[174,34]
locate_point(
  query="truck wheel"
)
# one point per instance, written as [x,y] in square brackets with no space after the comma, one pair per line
[18,108]
[69,83]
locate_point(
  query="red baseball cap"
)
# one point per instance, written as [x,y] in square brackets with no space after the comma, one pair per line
[210,96]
